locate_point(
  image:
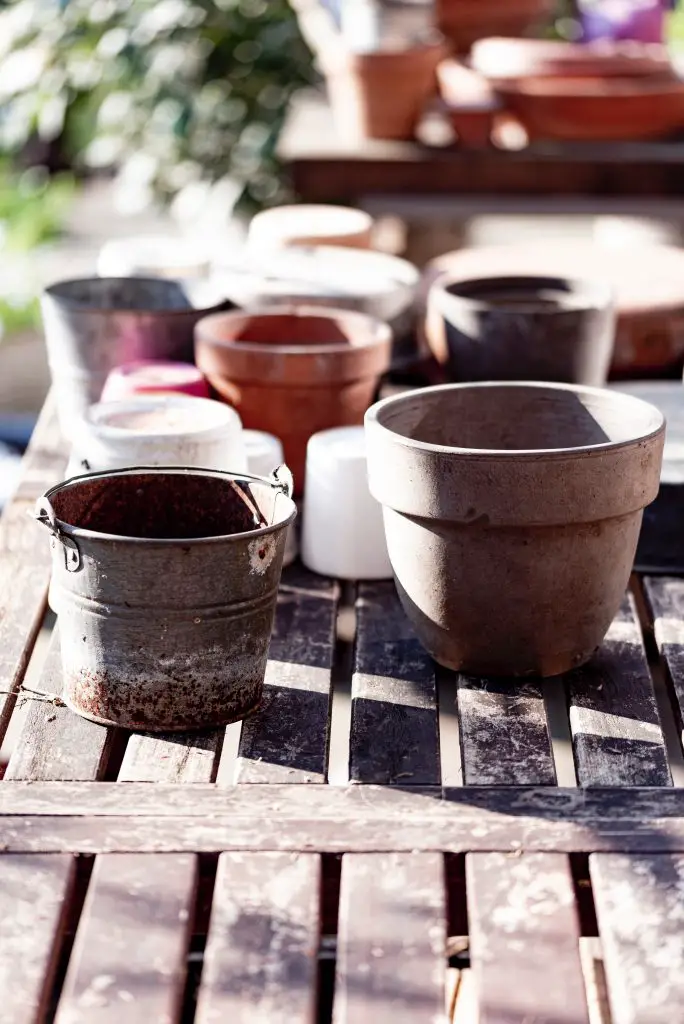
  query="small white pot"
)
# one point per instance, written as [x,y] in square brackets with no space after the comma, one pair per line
[306,224]
[342,532]
[160,430]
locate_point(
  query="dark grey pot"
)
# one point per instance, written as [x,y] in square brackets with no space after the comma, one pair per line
[522,328]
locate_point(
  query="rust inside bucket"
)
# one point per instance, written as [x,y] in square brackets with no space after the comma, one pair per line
[162,506]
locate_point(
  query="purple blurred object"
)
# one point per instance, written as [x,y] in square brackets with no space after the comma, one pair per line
[641,20]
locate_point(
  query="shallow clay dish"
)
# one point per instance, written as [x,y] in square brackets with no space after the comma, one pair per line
[502,59]
[591,109]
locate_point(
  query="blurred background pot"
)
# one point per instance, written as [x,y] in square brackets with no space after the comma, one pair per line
[601,109]
[502,59]
[151,376]
[293,371]
[95,324]
[374,283]
[529,328]
[382,94]
[309,224]
[463,22]
[512,514]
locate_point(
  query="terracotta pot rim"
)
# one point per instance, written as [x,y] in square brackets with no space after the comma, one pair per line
[376,333]
[60,292]
[592,293]
[375,415]
[344,63]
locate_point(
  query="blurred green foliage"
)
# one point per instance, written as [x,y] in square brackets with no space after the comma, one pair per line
[179,94]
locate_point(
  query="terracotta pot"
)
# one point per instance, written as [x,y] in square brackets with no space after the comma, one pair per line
[374,283]
[512,514]
[463,22]
[600,109]
[503,59]
[381,95]
[307,224]
[647,282]
[293,371]
[522,328]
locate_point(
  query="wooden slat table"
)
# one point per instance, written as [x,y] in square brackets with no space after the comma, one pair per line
[222,877]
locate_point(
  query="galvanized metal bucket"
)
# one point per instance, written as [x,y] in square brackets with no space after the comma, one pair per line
[165,581]
[94,324]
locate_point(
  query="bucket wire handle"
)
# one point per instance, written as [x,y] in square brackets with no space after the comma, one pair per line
[282,479]
[45,514]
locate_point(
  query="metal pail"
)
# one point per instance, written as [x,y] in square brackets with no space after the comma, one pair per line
[165,581]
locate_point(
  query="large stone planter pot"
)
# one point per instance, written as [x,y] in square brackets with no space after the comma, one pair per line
[512,514]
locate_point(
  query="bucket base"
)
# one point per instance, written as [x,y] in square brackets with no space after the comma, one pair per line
[205,727]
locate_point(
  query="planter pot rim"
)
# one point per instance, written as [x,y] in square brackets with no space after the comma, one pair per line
[186,542]
[213,423]
[376,415]
[61,292]
[375,331]
[594,87]
[591,293]
[290,266]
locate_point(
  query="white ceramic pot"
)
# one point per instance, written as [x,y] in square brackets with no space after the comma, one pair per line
[305,224]
[342,532]
[153,256]
[160,430]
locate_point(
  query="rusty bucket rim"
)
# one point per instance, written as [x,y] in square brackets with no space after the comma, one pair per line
[69,530]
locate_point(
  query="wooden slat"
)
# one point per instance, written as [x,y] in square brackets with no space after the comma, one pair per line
[260,962]
[287,739]
[640,910]
[394,724]
[54,743]
[25,558]
[179,757]
[33,900]
[524,936]
[391,950]
[128,961]
[665,596]
[617,737]
[504,733]
[498,804]
[103,817]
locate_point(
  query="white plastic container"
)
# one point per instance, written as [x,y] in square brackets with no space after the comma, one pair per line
[264,452]
[159,430]
[342,531]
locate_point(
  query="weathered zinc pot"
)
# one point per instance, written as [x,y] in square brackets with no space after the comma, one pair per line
[530,328]
[165,582]
[293,371]
[512,513]
[95,324]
